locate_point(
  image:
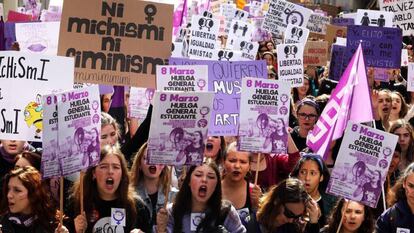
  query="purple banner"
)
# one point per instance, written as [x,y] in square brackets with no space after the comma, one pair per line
[338,64]
[225,80]
[381,46]
[343,21]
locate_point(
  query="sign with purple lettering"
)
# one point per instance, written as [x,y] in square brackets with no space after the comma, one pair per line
[139,102]
[24,79]
[337,65]
[79,124]
[403,10]
[381,46]
[343,21]
[263,125]
[179,127]
[281,13]
[225,81]
[362,164]
[290,63]
[50,165]
[410,78]
[203,40]
[182,78]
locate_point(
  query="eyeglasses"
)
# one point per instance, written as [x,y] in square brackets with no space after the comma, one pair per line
[289,214]
[307,116]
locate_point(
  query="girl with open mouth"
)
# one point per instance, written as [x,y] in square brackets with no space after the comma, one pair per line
[106,186]
[357,218]
[236,188]
[198,206]
[26,205]
[152,183]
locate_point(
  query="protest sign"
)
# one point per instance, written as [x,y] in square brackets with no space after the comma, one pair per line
[227,55]
[317,23]
[139,102]
[381,74]
[79,129]
[239,29]
[203,40]
[343,21]
[118,43]
[316,53]
[182,78]
[290,63]
[50,155]
[248,49]
[410,78]
[295,34]
[381,46]
[332,32]
[362,164]
[177,49]
[404,57]
[281,13]
[403,11]
[38,37]
[28,77]
[224,79]
[263,125]
[374,18]
[337,63]
[179,126]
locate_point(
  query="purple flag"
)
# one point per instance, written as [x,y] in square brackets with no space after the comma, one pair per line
[343,106]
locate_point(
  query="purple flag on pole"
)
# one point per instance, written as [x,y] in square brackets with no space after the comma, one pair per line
[343,106]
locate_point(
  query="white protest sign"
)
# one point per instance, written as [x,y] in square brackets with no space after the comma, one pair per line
[263,125]
[28,77]
[203,39]
[281,13]
[404,13]
[39,37]
[182,78]
[179,127]
[248,49]
[295,34]
[177,49]
[227,55]
[404,57]
[79,128]
[410,78]
[317,23]
[139,102]
[362,164]
[374,18]
[290,63]
[50,160]
[239,29]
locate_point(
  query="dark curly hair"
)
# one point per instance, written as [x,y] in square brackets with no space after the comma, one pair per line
[398,192]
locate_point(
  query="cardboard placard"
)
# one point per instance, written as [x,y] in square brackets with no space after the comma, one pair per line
[315,53]
[116,43]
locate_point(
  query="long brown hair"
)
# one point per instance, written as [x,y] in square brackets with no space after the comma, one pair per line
[290,190]
[137,175]
[398,192]
[126,195]
[37,193]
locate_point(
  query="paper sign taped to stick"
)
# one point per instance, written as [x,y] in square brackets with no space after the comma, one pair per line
[263,125]
[179,126]
[362,164]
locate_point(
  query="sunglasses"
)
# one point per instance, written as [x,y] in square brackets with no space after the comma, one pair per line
[290,214]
